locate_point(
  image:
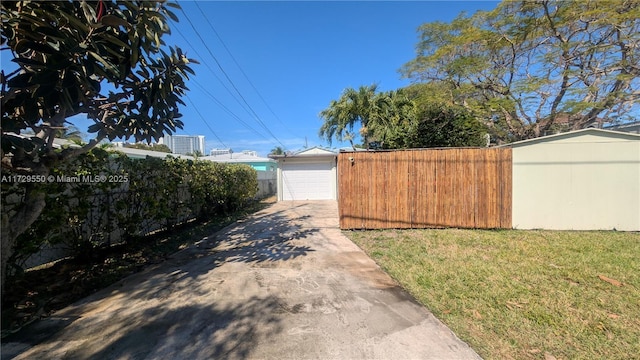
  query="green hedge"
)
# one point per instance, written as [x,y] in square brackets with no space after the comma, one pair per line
[118,198]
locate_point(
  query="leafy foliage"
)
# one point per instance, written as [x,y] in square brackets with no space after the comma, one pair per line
[135,197]
[103,59]
[97,59]
[377,113]
[277,151]
[353,106]
[411,117]
[439,123]
[153,147]
[527,66]
[393,114]
[440,126]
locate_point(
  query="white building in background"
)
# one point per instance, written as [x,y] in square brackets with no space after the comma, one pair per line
[184,144]
[228,153]
[215,152]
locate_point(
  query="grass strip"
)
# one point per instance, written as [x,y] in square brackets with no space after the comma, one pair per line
[522,294]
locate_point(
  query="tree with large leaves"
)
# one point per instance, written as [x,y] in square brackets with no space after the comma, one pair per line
[104,59]
[531,65]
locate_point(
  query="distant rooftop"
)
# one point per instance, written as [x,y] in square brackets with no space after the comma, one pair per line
[227,155]
[632,127]
[141,154]
[214,152]
[309,152]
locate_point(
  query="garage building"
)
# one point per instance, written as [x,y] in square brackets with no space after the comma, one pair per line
[309,174]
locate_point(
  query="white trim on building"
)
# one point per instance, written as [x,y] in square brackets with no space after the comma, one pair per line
[310,174]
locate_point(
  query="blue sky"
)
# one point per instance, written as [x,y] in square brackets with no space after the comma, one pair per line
[278,64]
[299,56]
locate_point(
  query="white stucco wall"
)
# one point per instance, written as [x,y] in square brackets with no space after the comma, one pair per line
[588,180]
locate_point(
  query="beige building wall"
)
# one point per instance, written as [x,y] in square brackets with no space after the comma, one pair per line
[586,180]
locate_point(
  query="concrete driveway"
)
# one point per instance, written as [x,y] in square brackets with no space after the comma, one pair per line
[283,284]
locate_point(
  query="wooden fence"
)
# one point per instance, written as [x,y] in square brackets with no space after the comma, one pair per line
[467,188]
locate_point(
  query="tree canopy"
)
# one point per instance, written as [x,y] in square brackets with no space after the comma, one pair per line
[441,123]
[411,117]
[529,66]
[377,113]
[277,151]
[104,59]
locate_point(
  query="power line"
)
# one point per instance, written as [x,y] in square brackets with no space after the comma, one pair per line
[204,121]
[227,110]
[216,100]
[213,97]
[257,118]
[240,68]
[206,64]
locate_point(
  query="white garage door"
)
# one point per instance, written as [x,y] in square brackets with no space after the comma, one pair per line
[308,181]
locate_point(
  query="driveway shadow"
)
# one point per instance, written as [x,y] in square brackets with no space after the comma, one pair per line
[196,331]
[263,241]
[266,238]
[170,310]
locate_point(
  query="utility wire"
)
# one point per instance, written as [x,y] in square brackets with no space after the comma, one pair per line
[226,109]
[204,121]
[240,68]
[214,98]
[228,78]
[206,64]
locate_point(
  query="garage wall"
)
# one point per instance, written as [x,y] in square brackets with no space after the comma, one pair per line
[582,181]
[307,178]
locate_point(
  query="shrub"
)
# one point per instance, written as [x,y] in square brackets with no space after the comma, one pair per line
[131,198]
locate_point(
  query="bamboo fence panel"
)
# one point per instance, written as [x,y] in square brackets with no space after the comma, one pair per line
[467,188]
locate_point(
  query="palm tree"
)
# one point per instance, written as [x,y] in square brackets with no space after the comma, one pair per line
[393,115]
[381,115]
[71,133]
[277,151]
[354,106]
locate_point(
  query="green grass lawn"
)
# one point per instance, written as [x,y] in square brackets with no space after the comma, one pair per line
[522,294]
